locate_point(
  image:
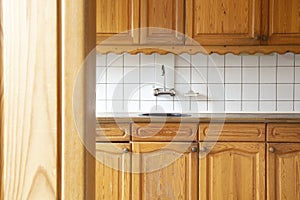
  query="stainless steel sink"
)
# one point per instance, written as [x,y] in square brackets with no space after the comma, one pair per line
[165,115]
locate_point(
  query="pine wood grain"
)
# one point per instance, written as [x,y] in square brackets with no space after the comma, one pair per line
[78,137]
[29,108]
[283,171]
[283,132]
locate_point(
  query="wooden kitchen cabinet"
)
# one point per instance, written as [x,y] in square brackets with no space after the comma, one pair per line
[232,171]
[283,171]
[117,17]
[165,19]
[224,22]
[113,167]
[166,171]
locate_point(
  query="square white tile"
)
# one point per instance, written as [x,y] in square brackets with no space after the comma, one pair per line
[114,75]
[131,106]
[285,75]
[250,74]
[250,60]
[233,91]
[250,106]
[233,75]
[215,75]
[181,89]
[285,92]
[216,106]
[201,89]
[268,75]
[286,59]
[101,74]
[131,60]
[115,60]
[182,75]
[267,106]
[297,60]
[199,75]
[250,91]
[101,106]
[268,92]
[164,106]
[268,60]
[297,106]
[198,106]
[232,60]
[147,75]
[216,60]
[100,59]
[297,75]
[131,75]
[148,106]
[285,106]
[100,91]
[115,106]
[147,92]
[147,60]
[199,60]
[216,92]
[297,91]
[115,91]
[182,106]
[232,106]
[183,60]
[131,92]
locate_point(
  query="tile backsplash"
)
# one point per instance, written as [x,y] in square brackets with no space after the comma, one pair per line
[225,83]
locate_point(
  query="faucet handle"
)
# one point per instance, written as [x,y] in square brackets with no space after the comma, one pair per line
[163,70]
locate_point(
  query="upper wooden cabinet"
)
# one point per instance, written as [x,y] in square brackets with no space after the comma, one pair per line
[224,22]
[117,17]
[162,22]
[282,24]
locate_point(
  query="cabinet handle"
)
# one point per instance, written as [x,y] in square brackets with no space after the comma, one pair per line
[257,37]
[203,149]
[265,38]
[125,150]
[272,149]
[194,149]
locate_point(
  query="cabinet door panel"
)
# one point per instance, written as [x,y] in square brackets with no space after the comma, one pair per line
[117,17]
[224,22]
[113,179]
[167,171]
[283,21]
[233,171]
[283,171]
[165,19]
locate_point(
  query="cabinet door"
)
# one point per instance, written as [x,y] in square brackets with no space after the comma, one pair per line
[164,171]
[113,167]
[117,17]
[282,25]
[283,169]
[165,19]
[232,171]
[224,22]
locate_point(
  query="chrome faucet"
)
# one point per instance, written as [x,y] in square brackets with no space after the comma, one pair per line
[164,91]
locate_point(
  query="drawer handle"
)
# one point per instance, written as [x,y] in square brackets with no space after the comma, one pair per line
[125,150]
[272,149]
[194,149]
[203,149]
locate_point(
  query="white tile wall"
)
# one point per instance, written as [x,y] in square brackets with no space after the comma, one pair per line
[230,83]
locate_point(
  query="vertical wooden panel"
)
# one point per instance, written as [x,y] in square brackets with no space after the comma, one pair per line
[78,41]
[29,131]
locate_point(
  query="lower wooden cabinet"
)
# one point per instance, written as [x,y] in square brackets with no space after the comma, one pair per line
[232,171]
[165,171]
[283,171]
[113,166]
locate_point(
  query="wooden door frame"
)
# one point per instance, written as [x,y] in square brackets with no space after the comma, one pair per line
[72,173]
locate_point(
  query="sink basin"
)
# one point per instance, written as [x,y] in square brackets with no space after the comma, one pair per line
[165,114]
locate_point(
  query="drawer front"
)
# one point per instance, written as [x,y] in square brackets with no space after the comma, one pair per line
[164,131]
[283,132]
[112,132]
[232,132]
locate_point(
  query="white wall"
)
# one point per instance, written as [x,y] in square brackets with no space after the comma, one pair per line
[230,83]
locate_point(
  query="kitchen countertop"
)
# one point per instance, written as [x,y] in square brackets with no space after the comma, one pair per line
[204,117]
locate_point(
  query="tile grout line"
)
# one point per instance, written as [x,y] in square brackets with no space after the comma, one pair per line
[294,83]
[276,95]
[259,85]
[242,83]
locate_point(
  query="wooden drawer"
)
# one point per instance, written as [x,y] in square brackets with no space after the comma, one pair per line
[112,132]
[164,131]
[232,132]
[284,132]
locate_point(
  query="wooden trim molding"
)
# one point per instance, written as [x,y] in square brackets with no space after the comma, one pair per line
[1,105]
